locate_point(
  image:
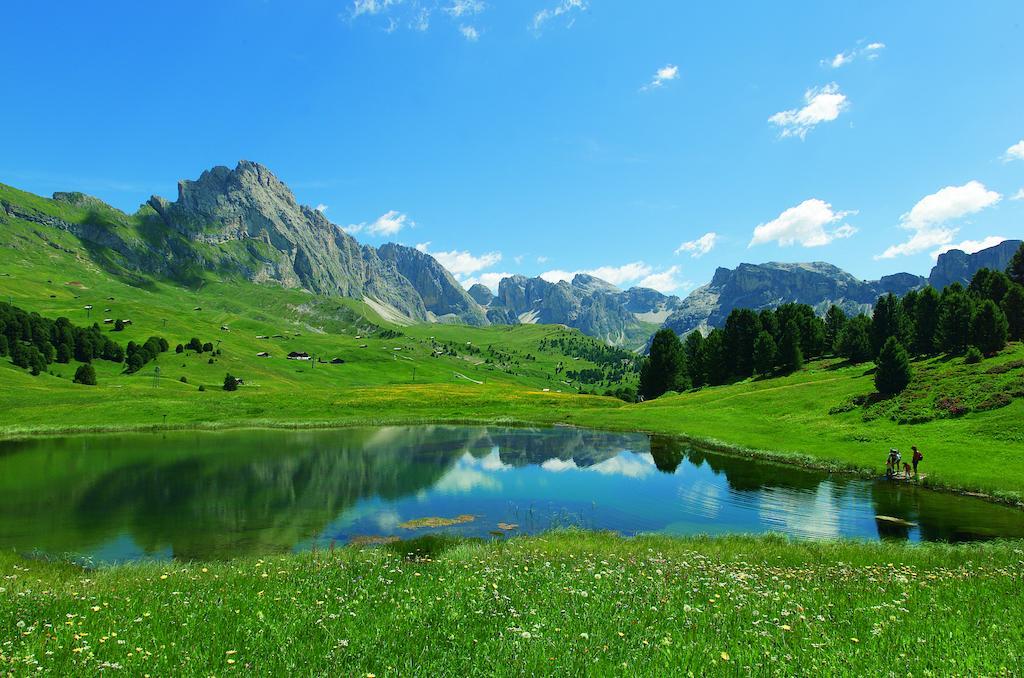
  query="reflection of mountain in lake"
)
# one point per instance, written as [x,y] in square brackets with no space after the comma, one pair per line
[243,493]
[525,447]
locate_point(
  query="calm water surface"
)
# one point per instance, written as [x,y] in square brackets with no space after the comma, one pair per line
[220,495]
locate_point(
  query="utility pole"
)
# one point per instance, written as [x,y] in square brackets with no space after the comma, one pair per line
[414,375]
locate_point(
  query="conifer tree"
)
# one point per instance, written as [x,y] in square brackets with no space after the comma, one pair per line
[835,321]
[893,373]
[926,320]
[791,357]
[989,328]
[854,342]
[765,353]
[694,358]
[1013,309]
[1016,268]
[955,313]
[665,367]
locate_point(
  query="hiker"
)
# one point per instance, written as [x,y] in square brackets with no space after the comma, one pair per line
[892,463]
[916,459]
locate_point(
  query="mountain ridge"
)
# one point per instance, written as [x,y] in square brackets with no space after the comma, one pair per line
[246,222]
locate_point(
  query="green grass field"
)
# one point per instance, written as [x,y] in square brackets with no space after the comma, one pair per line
[564,603]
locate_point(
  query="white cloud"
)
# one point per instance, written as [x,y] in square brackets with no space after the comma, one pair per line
[1019,195]
[661,76]
[619,275]
[805,225]
[387,224]
[557,275]
[462,263]
[822,104]
[699,247]
[928,218]
[1015,152]
[636,273]
[469,33]
[322,208]
[489,280]
[564,7]
[465,7]
[543,260]
[869,51]
[971,246]
[665,282]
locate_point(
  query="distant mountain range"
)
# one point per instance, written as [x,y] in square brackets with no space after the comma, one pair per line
[246,222]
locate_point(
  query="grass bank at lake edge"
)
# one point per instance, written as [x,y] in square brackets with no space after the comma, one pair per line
[785,419]
[565,602]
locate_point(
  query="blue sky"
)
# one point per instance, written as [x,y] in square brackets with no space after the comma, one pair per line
[647,141]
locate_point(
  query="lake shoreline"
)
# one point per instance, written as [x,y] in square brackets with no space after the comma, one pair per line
[791,459]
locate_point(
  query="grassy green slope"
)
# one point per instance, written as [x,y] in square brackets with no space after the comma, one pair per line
[564,603]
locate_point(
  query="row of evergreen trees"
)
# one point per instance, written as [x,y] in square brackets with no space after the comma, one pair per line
[34,342]
[751,342]
[985,315]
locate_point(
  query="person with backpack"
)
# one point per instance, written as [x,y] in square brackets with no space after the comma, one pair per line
[916,458]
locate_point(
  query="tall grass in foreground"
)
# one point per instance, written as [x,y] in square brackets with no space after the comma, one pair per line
[566,603]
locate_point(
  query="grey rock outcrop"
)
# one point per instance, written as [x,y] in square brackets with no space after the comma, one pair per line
[959,266]
[442,295]
[587,303]
[760,286]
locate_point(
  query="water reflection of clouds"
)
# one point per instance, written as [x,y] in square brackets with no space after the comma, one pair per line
[627,464]
[701,498]
[471,473]
[807,514]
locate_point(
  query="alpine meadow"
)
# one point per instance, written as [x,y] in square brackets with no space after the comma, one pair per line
[425,337]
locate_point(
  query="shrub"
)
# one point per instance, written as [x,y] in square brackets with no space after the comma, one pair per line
[973,356]
[893,373]
[202,387]
[230,383]
[183,380]
[85,374]
[179,349]
[207,347]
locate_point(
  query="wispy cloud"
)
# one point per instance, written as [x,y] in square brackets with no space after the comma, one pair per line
[821,104]
[928,220]
[699,247]
[870,51]
[1019,195]
[806,224]
[469,33]
[563,8]
[322,208]
[460,8]
[361,7]
[661,76]
[387,224]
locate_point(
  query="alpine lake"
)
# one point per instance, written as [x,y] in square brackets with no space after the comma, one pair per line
[218,495]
